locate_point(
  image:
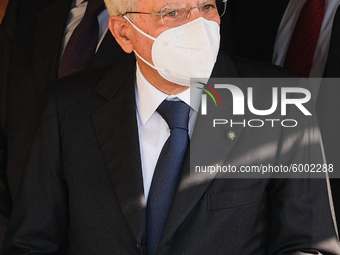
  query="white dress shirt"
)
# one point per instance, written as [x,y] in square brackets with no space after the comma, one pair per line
[153,130]
[286,29]
[75,16]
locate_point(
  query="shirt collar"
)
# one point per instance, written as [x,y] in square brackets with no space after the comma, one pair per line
[78,2]
[148,97]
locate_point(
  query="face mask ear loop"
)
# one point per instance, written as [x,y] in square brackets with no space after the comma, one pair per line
[139,30]
[146,62]
[149,36]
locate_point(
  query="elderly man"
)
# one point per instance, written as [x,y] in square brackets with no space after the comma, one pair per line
[109,167]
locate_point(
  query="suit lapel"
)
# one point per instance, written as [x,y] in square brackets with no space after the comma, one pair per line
[208,146]
[275,11]
[333,61]
[51,22]
[116,128]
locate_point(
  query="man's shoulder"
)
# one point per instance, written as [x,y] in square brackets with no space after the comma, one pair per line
[234,66]
[250,68]
[87,82]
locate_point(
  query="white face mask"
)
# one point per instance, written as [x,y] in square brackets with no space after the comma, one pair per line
[184,52]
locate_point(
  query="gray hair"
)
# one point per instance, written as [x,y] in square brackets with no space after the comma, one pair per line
[117,7]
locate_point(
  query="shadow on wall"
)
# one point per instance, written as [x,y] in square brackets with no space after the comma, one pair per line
[3,5]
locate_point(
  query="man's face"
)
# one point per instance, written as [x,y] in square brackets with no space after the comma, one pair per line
[132,40]
[153,25]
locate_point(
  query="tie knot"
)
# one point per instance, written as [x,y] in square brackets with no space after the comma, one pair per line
[175,113]
[94,7]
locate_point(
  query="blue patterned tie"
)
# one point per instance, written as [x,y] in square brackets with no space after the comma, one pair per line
[82,45]
[176,114]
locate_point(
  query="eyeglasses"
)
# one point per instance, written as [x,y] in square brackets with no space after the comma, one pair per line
[177,14]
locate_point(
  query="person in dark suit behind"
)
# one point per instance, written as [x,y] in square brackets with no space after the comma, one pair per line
[262,30]
[33,38]
[93,179]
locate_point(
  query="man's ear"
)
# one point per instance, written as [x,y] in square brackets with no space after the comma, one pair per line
[118,26]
